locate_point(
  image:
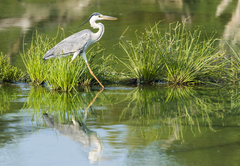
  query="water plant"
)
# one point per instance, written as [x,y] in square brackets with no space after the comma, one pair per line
[233,65]
[188,57]
[143,60]
[7,71]
[32,59]
[175,55]
[60,77]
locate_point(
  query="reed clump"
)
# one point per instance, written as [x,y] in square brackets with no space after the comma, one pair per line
[143,60]
[176,56]
[232,67]
[61,77]
[36,68]
[8,72]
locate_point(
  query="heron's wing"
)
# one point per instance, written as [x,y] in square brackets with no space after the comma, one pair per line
[76,42]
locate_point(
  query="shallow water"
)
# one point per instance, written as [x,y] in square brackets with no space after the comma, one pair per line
[124,126]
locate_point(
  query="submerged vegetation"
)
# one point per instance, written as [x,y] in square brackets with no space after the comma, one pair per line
[174,55]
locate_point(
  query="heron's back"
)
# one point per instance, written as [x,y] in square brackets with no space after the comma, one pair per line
[68,46]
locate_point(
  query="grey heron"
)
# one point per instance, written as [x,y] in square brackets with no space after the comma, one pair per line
[77,43]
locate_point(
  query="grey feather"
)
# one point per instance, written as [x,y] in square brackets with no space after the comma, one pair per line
[70,45]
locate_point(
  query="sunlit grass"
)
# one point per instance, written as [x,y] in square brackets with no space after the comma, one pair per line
[32,58]
[60,77]
[232,68]
[7,71]
[143,60]
[188,57]
[176,55]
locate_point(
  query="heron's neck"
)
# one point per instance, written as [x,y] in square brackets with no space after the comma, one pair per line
[97,36]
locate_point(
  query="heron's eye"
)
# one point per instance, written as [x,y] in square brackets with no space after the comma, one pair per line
[99,16]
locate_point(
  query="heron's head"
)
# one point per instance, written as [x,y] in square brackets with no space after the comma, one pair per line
[97,16]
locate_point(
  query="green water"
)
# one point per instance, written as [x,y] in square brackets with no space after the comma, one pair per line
[124,125]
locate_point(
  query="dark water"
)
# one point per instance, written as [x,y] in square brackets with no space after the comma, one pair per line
[124,126]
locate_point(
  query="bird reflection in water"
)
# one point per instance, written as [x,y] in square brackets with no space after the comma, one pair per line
[78,131]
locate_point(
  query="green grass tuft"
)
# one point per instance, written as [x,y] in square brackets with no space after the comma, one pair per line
[60,77]
[33,59]
[232,67]
[144,62]
[7,71]
[174,55]
[188,57]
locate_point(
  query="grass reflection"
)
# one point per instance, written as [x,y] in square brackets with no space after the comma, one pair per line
[173,110]
[63,105]
[6,98]
[4,101]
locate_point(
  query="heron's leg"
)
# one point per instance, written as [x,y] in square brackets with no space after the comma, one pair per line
[94,75]
[74,56]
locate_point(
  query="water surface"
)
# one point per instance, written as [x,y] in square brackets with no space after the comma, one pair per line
[124,125]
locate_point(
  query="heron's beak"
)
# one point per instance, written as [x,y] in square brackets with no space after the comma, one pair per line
[108,18]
